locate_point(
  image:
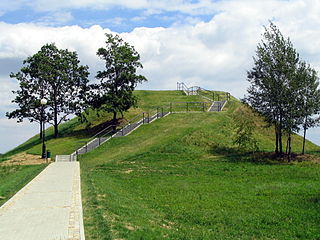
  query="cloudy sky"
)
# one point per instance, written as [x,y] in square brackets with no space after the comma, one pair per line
[209,43]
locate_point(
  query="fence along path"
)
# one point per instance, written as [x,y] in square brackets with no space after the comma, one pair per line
[110,132]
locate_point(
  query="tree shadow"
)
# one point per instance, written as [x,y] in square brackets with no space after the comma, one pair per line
[68,132]
[235,155]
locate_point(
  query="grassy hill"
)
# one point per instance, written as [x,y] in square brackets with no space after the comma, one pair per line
[74,134]
[181,177]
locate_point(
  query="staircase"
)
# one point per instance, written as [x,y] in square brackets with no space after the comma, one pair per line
[109,132]
[66,158]
[217,106]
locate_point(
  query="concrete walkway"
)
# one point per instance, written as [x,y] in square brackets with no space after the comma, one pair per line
[48,208]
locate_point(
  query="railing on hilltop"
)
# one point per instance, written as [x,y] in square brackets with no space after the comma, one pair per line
[208,94]
[187,90]
[214,95]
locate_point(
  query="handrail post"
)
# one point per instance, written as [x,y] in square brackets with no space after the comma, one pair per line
[86,147]
[161,112]
[157,112]
[171,107]
[187,107]
[212,96]
[203,106]
[99,140]
[148,117]
[142,118]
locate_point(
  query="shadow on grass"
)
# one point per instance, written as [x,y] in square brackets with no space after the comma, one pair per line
[236,155]
[67,132]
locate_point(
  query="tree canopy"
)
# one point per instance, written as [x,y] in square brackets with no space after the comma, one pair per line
[54,74]
[282,87]
[114,92]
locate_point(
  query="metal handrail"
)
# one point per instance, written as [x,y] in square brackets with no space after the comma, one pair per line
[146,117]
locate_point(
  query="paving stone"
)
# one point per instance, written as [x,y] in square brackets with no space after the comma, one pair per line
[43,209]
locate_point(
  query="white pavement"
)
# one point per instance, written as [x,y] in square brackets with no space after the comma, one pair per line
[48,208]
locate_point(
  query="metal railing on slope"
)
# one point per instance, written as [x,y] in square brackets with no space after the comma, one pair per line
[117,131]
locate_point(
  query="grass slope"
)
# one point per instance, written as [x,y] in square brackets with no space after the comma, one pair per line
[181,178]
[74,134]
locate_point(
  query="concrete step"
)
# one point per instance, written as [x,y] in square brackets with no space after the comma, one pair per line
[65,158]
[217,106]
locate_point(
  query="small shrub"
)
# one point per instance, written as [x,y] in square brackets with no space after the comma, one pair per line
[244,126]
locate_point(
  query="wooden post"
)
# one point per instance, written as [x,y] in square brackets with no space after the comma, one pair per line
[187,107]
[171,107]
[203,106]
[161,112]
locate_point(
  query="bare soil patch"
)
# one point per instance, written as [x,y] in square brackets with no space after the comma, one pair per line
[24,159]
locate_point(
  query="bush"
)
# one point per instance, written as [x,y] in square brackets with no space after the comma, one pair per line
[244,126]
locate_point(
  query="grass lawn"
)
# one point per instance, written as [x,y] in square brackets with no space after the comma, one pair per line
[74,134]
[181,178]
[13,178]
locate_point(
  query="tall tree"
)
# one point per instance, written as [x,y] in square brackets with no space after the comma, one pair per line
[283,88]
[53,74]
[119,79]
[274,67]
[309,98]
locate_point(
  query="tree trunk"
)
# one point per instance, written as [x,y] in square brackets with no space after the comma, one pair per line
[56,130]
[280,137]
[289,147]
[304,136]
[114,121]
[304,140]
[277,139]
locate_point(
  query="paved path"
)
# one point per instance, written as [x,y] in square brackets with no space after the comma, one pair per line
[48,208]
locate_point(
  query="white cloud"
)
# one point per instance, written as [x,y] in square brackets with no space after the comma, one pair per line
[214,54]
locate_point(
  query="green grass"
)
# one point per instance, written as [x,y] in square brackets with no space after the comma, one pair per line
[74,134]
[182,178]
[13,178]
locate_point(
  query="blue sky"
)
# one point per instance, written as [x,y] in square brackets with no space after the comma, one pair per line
[117,19]
[200,42]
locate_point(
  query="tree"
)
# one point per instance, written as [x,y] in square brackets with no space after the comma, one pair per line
[118,81]
[53,74]
[271,78]
[309,99]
